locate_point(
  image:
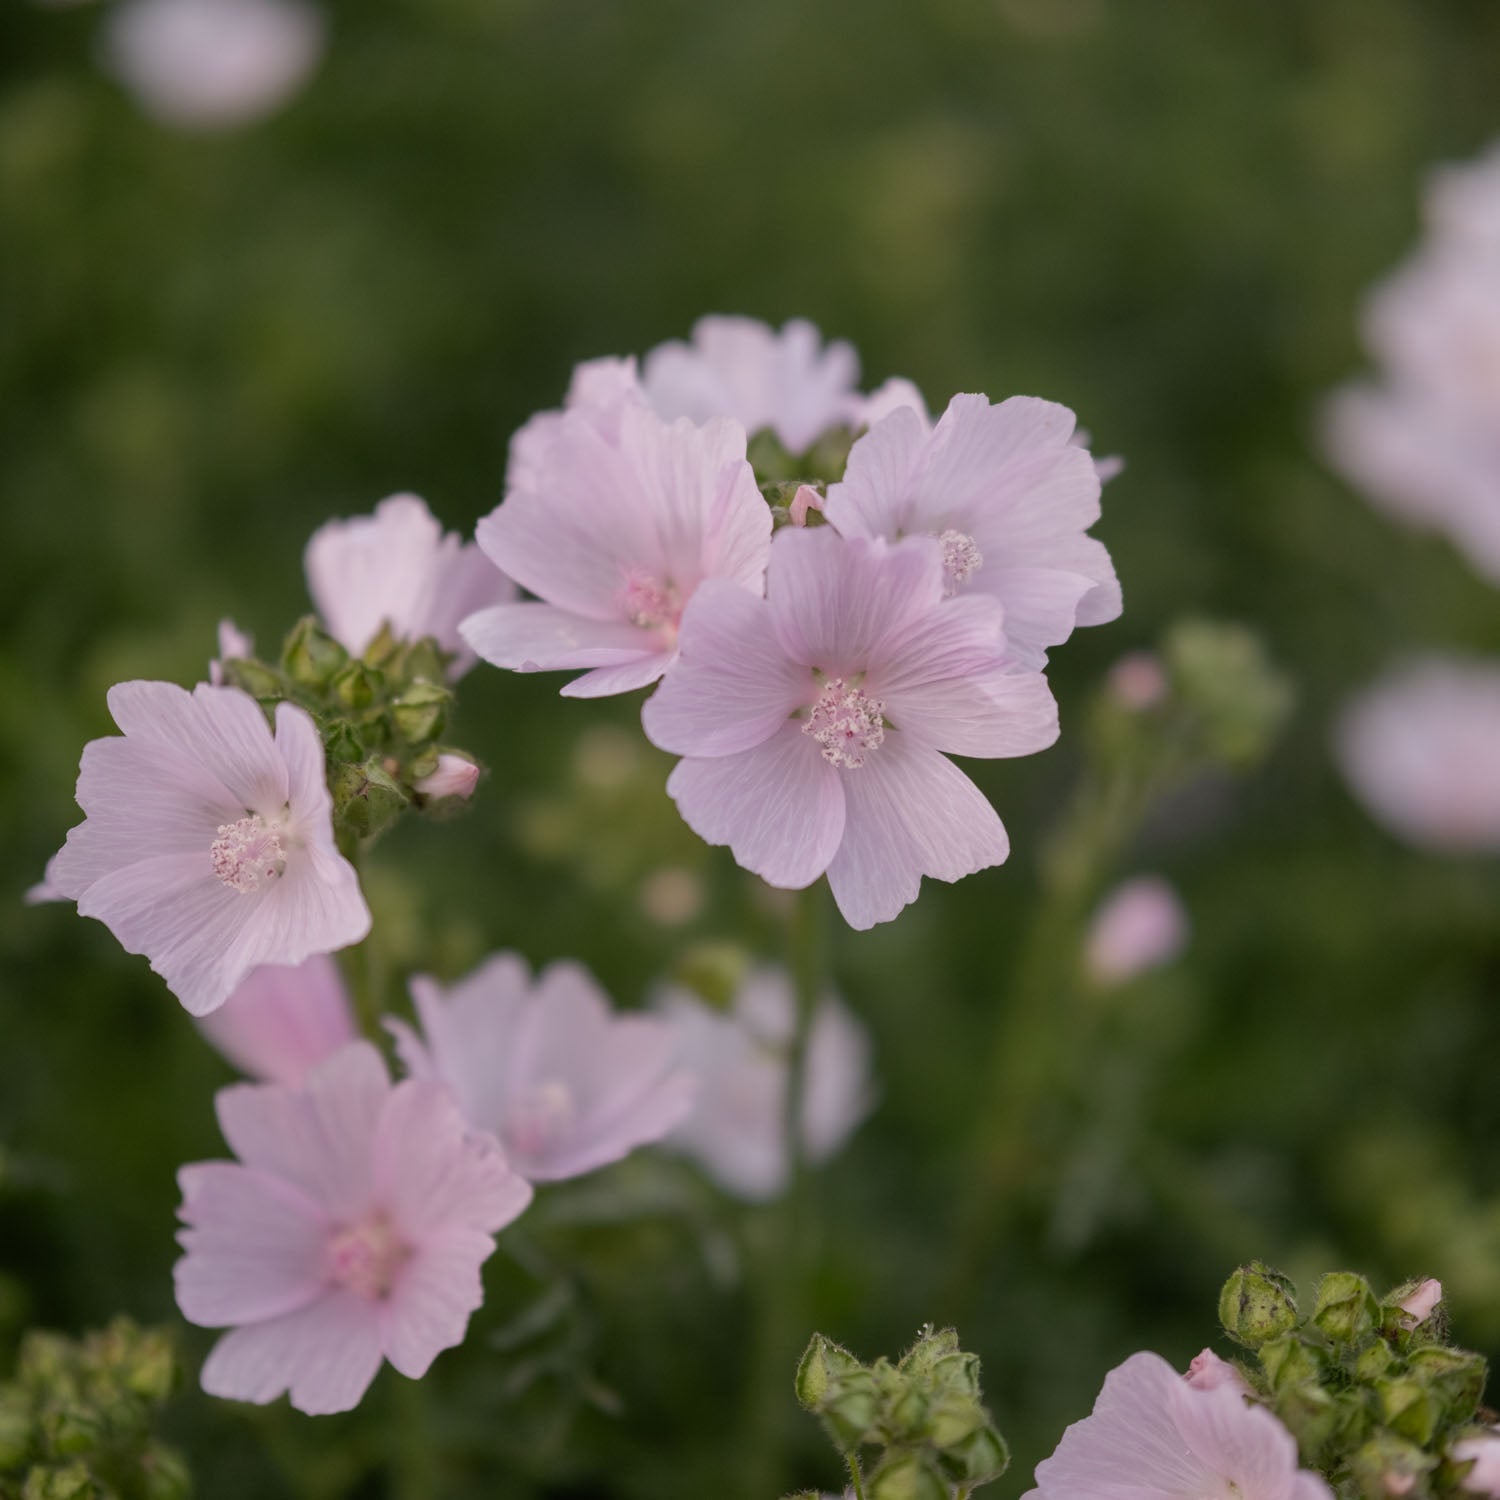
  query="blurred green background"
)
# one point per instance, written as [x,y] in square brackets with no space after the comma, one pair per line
[1162,213]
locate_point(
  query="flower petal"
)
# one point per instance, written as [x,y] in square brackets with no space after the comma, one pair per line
[429,1307]
[535,637]
[1002,712]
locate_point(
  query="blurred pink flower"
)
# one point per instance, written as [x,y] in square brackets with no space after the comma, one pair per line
[213,64]
[547,1066]
[1009,498]
[1419,750]
[784,379]
[737,1129]
[1423,1302]
[1138,681]
[613,525]
[283,1020]
[351,1230]
[1139,925]
[817,722]
[1155,1436]
[1462,202]
[208,844]
[1484,1453]
[397,568]
[455,776]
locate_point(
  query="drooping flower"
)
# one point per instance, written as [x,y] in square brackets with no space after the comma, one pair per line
[1139,926]
[1154,1435]
[1483,1452]
[213,64]
[817,721]
[737,1128]
[397,568]
[1009,498]
[208,843]
[1419,751]
[547,1066]
[613,525]
[351,1230]
[282,1021]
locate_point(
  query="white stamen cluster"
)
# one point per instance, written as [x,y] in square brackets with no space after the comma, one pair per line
[962,559]
[847,723]
[248,854]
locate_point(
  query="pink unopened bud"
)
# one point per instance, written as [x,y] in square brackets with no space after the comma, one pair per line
[1400,1484]
[455,776]
[1484,1453]
[1419,1306]
[1208,1372]
[806,499]
[1137,681]
[1139,926]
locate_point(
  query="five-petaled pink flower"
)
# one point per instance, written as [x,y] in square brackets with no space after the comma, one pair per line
[817,721]
[1154,1435]
[398,568]
[1009,498]
[208,844]
[547,1066]
[613,525]
[351,1230]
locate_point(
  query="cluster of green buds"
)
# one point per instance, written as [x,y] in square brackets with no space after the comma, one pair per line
[924,1416]
[382,716]
[1369,1386]
[76,1418]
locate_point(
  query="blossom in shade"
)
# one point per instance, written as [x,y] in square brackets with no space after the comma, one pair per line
[783,379]
[351,1230]
[1154,1435]
[282,1021]
[1422,1302]
[208,842]
[213,64]
[453,776]
[737,1129]
[1483,1452]
[398,568]
[613,524]
[547,1066]
[1418,750]
[1140,925]
[816,722]
[1009,498]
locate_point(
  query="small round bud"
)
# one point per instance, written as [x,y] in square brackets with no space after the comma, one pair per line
[1346,1311]
[1257,1304]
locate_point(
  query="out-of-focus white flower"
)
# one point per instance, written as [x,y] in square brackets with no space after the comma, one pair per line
[213,64]
[1140,925]
[1421,751]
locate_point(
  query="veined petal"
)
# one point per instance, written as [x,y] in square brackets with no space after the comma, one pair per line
[534,637]
[1002,712]
[429,1308]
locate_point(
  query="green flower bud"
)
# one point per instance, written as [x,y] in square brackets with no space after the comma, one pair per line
[1222,674]
[1409,1407]
[1457,1376]
[355,685]
[821,1367]
[382,648]
[71,1430]
[954,1419]
[366,798]
[342,743]
[164,1474]
[70,1482]
[908,1415]
[1290,1361]
[907,1476]
[311,656]
[978,1459]
[1374,1362]
[1312,1416]
[46,1360]
[931,1347]
[421,712]
[418,661]
[1346,1311]
[714,972]
[1257,1304]
[851,1410]
[253,677]
[1387,1465]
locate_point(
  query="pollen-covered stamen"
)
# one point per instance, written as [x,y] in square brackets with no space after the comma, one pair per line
[961,560]
[248,854]
[649,602]
[539,1117]
[366,1257]
[846,722]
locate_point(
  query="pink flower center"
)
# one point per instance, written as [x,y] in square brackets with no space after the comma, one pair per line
[366,1258]
[248,854]
[539,1117]
[961,560]
[649,602]
[846,722]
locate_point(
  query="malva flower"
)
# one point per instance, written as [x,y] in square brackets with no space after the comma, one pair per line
[1008,497]
[1155,1435]
[208,842]
[283,1020]
[351,1230]
[1140,925]
[547,1066]
[613,525]
[398,568]
[1418,749]
[737,1129]
[816,722]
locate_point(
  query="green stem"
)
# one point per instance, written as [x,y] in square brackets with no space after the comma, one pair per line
[364,973]
[414,1465]
[856,1475]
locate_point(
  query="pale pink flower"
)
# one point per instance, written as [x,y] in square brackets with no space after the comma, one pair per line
[1484,1453]
[1207,1372]
[282,1021]
[613,525]
[817,721]
[46,889]
[351,1230]
[1009,499]
[1462,202]
[1419,750]
[546,1065]
[397,568]
[1139,926]
[1422,1303]
[454,776]
[1138,681]
[208,843]
[783,379]
[213,64]
[1154,1436]
[737,1129]
[806,499]
[598,391]
[233,644]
